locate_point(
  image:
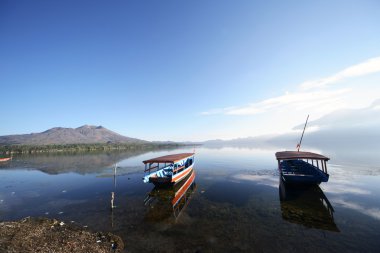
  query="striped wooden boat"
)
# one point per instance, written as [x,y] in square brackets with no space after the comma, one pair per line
[168,170]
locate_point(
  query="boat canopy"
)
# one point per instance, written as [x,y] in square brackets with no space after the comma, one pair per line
[291,155]
[169,158]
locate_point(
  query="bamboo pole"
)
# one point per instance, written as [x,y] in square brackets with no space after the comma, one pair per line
[299,144]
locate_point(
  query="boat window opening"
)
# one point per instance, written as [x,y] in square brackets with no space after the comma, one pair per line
[152,167]
[180,168]
[168,171]
[324,166]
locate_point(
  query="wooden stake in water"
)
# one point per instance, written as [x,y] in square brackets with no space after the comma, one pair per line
[299,144]
[112,200]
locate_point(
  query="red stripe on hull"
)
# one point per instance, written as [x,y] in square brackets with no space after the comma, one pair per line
[184,173]
[184,188]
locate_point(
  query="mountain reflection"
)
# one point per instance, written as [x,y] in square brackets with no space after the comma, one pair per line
[167,203]
[81,163]
[307,206]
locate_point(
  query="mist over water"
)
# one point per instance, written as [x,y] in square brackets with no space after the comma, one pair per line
[236,202]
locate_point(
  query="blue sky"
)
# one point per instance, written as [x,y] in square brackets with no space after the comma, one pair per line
[185,70]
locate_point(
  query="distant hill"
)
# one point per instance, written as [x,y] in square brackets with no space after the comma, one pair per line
[82,135]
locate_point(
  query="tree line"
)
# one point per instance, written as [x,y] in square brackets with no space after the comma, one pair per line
[56,148]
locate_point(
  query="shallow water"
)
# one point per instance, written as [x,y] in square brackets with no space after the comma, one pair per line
[235,203]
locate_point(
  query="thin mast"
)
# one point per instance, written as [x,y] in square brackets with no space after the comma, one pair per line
[299,144]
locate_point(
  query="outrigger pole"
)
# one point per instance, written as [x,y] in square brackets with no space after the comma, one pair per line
[299,144]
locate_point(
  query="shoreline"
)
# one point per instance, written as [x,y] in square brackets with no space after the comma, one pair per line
[83,147]
[33,234]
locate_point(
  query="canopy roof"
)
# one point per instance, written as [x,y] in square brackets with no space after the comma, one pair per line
[169,158]
[289,155]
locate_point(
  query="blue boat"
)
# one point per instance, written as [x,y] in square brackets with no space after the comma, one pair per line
[298,167]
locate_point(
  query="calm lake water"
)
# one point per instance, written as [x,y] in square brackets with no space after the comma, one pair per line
[235,203]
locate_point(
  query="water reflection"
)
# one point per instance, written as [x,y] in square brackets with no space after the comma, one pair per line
[81,163]
[234,208]
[168,203]
[308,206]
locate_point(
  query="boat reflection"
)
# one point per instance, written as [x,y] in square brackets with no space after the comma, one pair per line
[166,204]
[308,206]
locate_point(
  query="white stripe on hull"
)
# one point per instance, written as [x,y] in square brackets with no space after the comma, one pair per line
[182,174]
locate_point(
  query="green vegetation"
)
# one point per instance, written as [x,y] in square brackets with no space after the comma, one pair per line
[57,148]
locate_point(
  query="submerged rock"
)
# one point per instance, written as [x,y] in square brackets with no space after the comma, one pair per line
[48,235]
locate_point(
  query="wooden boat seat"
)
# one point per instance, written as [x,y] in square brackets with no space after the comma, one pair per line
[297,167]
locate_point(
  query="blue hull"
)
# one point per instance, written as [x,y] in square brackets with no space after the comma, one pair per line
[300,172]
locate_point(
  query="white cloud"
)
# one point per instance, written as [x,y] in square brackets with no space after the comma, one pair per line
[372,212]
[268,180]
[345,188]
[296,100]
[324,100]
[368,67]
[376,105]
[217,111]
[278,115]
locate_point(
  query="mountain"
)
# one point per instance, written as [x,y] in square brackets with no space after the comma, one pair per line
[58,135]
